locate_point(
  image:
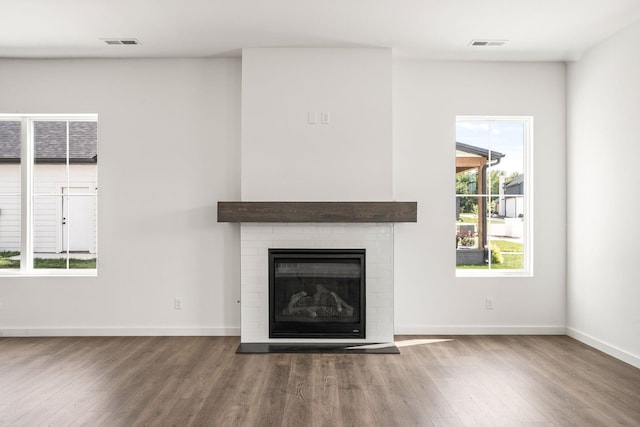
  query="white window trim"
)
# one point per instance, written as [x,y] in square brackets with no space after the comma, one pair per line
[527,231]
[26,198]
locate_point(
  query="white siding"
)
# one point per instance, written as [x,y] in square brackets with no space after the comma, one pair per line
[9,207]
[49,180]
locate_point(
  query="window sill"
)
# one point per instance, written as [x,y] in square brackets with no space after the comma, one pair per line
[492,273]
[51,272]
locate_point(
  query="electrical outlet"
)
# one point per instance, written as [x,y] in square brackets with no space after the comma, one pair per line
[177,303]
[325,118]
[489,303]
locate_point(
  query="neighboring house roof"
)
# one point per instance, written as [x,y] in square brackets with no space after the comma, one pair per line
[515,181]
[51,142]
[483,152]
[515,186]
[9,140]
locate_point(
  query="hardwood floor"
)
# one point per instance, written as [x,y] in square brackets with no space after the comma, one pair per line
[196,381]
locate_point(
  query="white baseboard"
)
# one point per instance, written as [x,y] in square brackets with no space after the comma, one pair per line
[118,332]
[400,330]
[604,347]
[479,330]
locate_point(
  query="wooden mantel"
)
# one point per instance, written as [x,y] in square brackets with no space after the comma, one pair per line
[317,211]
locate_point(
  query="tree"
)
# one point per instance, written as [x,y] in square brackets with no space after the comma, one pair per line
[467,183]
[465,180]
[494,179]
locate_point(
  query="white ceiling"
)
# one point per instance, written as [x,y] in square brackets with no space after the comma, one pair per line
[546,30]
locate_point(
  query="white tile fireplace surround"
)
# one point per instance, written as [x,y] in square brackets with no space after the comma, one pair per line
[258,238]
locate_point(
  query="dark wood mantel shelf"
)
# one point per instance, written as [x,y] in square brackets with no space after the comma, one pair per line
[317,211]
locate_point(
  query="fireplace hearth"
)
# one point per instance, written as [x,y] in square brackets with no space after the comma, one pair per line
[317,293]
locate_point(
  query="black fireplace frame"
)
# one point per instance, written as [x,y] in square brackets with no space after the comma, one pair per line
[345,330]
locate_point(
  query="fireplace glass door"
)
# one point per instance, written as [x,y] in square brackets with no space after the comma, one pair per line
[317,293]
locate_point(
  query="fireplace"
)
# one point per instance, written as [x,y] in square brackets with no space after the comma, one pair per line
[317,293]
[258,238]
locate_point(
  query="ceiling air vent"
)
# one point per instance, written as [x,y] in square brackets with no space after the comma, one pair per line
[482,43]
[125,42]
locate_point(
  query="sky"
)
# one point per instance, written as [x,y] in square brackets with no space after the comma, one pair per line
[506,137]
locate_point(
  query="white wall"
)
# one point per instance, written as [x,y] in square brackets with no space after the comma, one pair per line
[603,146]
[169,150]
[286,158]
[427,98]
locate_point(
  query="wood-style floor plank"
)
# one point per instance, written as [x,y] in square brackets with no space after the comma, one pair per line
[526,381]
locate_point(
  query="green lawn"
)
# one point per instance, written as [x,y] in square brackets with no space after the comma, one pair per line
[511,261]
[508,246]
[468,218]
[5,262]
[472,218]
[62,263]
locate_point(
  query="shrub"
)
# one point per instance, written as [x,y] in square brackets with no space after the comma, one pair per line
[465,238]
[496,254]
[7,254]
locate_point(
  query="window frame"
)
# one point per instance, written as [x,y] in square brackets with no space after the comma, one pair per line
[528,202]
[27,192]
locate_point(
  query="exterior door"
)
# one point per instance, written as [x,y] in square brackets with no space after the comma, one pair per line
[76,220]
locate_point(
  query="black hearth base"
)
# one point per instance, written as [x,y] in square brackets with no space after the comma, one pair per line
[318,348]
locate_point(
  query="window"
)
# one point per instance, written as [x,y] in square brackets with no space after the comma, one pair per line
[494,196]
[48,194]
